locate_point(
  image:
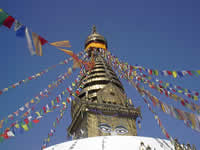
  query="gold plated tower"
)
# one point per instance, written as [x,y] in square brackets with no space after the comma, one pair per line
[101,108]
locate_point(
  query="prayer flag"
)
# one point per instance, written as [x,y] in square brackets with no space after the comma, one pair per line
[17,125]
[8,21]
[169,72]
[26,120]
[20,32]
[36,121]
[198,71]
[37,44]
[25,127]
[17,25]
[61,44]
[42,40]
[3,16]
[1,123]
[174,74]
[1,138]
[29,42]
[32,101]
[10,133]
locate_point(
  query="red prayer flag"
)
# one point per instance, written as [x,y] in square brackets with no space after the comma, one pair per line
[1,92]
[183,103]
[9,21]
[167,135]
[42,40]
[68,100]
[189,95]
[189,72]
[26,120]
[169,72]
[44,108]
[57,99]
[197,94]
[36,121]
[77,92]
[150,71]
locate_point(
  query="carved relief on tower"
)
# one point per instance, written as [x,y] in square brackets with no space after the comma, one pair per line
[111,94]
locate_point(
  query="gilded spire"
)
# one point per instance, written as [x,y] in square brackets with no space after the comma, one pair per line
[94,29]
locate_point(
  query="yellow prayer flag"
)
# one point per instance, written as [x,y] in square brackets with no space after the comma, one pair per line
[131,77]
[52,103]
[17,125]
[61,43]
[37,113]
[25,127]
[167,84]
[180,91]
[49,86]
[134,73]
[70,53]
[1,123]
[195,98]
[174,74]
[1,10]
[163,108]
[37,44]
[32,101]
[198,71]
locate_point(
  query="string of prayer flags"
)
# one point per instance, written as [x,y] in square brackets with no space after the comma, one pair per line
[164,131]
[37,75]
[192,119]
[26,123]
[160,89]
[22,31]
[155,114]
[76,61]
[46,92]
[53,130]
[127,67]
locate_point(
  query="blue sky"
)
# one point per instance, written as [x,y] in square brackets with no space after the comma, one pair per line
[154,34]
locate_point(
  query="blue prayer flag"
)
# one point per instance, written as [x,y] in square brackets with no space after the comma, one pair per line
[21,31]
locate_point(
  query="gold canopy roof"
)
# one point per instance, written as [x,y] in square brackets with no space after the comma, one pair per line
[95,37]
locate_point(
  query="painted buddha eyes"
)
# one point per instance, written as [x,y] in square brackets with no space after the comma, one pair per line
[105,128]
[108,129]
[121,130]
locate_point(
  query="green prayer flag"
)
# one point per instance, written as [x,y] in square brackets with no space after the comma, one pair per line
[1,138]
[155,72]
[3,16]
[30,125]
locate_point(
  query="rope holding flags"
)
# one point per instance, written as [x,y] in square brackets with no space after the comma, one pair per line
[32,37]
[26,124]
[161,90]
[37,75]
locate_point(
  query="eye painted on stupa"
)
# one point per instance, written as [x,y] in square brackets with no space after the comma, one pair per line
[121,129]
[105,128]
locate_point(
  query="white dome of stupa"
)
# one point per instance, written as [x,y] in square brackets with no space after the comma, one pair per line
[114,143]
